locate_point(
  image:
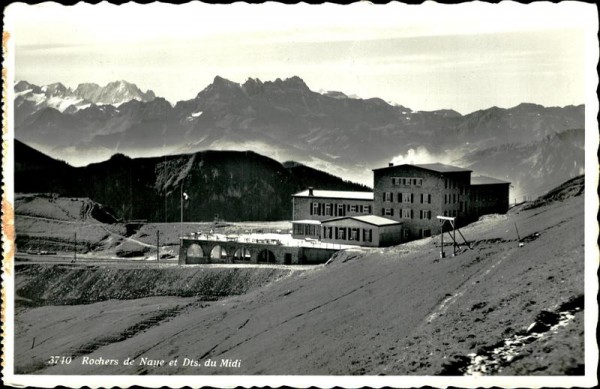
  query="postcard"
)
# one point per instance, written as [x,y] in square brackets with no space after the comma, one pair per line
[303,195]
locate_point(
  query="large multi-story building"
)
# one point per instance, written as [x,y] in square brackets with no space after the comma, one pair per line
[416,194]
[406,200]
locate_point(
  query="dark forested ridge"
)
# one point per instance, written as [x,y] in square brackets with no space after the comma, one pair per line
[229,185]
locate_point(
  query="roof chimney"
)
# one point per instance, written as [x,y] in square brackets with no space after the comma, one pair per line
[391,164]
[310,191]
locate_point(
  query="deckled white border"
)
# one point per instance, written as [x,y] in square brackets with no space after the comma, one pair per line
[587,15]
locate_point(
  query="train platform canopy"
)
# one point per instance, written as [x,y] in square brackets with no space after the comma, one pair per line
[335,194]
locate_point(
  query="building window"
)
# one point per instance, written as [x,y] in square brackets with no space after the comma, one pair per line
[406,213]
[405,198]
[328,209]
[368,209]
[367,235]
[421,198]
[388,212]
[315,209]
[354,234]
[342,233]
[341,210]
[393,180]
[429,198]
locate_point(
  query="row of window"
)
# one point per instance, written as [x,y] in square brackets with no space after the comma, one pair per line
[406,197]
[306,229]
[348,233]
[406,213]
[450,199]
[484,196]
[451,184]
[407,181]
[331,209]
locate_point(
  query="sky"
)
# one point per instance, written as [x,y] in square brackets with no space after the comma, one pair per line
[426,57]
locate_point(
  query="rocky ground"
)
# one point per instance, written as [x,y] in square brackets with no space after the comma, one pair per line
[500,308]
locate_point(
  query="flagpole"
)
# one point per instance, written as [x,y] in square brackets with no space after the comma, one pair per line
[181,206]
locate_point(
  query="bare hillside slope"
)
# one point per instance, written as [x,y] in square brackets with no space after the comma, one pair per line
[401,310]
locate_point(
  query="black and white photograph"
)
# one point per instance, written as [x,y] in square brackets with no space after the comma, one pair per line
[303,195]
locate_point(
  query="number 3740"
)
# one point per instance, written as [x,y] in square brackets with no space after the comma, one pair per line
[59,360]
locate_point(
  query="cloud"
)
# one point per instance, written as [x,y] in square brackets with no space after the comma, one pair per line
[422,155]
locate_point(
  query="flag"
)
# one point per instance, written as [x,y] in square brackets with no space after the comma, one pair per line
[185,196]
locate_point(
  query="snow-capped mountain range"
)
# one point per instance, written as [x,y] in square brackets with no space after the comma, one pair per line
[31,98]
[533,146]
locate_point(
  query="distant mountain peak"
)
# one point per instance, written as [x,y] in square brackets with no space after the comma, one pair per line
[220,81]
[56,89]
[335,94]
[293,82]
[253,86]
[115,92]
[529,107]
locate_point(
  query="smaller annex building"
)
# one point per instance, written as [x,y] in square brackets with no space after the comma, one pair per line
[312,204]
[488,195]
[366,230]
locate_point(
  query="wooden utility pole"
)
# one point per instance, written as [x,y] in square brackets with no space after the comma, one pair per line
[442,254]
[181,208]
[453,237]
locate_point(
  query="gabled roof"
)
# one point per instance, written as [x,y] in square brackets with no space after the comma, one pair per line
[484,180]
[368,219]
[436,167]
[336,194]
